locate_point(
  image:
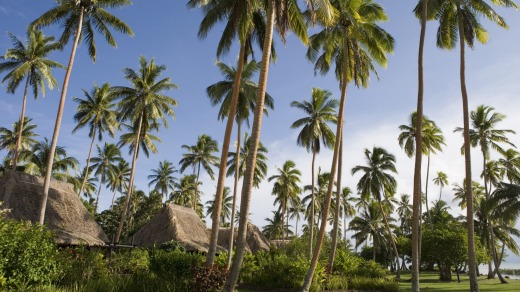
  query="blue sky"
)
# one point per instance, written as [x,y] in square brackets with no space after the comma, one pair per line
[167,31]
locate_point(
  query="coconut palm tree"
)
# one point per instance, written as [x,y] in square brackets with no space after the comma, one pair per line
[37,161]
[440,180]
[98,111]
[9,138]
[104,165]
[510,164]
[225,213]
[246,22]
[286,188]
[347,208]
[405,212]
[29,61]
[276,228]
[377,181]
[460,194]
[144,105]
[163,178]
[369,226]
[184,194]
[90,183]
[295,212]
[354,41]
[79,18]
[200,154]
[315,132]
[459,20]
[118,179]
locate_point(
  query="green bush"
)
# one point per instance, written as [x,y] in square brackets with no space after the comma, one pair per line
[28,255]
[208,279]
[371,284]
[335,282]
[130,262]
[371,269]
[81,265]
[350,265]
[175,266]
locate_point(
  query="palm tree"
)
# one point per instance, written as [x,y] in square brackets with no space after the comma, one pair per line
[104,165]
[276,228]
[143,105]
[460,194]
[510,164]
[184,194]
[227,205]
[353,41]
[79,18]
[378,182]
[163,178]
[368,225]
[295,212]
[440,180]
[200,154]
[37,161]
[286,188]
[236,167]
[96,110]
[29,61]
[405,212]
[462,17]
[347,207]
[90,185]
[118,179]
[246,22]
[315,131]
[9,138]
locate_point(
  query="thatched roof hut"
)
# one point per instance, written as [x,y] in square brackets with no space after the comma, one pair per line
[174,222]
[65,215]
[255,239]
[280,243]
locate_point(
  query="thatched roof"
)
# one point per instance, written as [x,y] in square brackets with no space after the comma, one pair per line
[174,222]
[65,214]
[255,239]
[279,243]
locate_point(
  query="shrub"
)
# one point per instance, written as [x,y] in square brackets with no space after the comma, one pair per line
[175,266]
[208,279]
[81,265]
[371,269]
[335,282]
[132,262]
[350,265]
[28,255]
[371,284]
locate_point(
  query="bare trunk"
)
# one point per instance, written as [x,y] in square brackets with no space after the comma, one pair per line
[467,155]
[130,183]
[325,211]
[88,162]
[251,158]
[61,107]
[113,198]
[21,124]
[312,217]
[426,192]
[417,196]
[235,189]
[335,228]
[194,204]
[392,241]
[97,197]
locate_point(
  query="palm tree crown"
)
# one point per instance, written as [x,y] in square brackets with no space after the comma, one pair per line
[163,178]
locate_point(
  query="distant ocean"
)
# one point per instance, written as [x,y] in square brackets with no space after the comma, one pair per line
[505,265]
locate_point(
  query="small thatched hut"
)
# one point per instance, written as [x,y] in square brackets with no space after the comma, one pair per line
[65,215]
[255,239]
[174,222]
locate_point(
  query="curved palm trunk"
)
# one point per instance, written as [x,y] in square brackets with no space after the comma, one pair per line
[312,217]
[417,200]
[197,190]
[88,162]
[97,197]
[392,241]
[325,211]
[344,224]
[335,229]
[426,193]
[223,160]
[235,188]
[467,155]
[20,124]
[113,198]
[61,107]
[130,183]
[251,158]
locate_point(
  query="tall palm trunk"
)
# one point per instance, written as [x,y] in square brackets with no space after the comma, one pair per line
[390,237]
[467,155]
[251,157]
[113,198]
[344,224]
[97,197]
[88,162]
[235,189]
[21,124]
[426,192]
[130,183]
[312,217]
[283,220]
[417,196]
[325,212]
[335,228]
[197,190]
[61,107]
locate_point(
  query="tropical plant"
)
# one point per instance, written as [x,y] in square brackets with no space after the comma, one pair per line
[441,180]
[90,182]
[295,212]
[315,132]
[104,165]
[368,226]
[40,153]
[9,138]
[227,205]
[96,110]
[276,228]
[144,105]
[118,179]
[79,18]
[510,165]
[405,211]
[28,61]
[163,178]
[184,193]
[200,154]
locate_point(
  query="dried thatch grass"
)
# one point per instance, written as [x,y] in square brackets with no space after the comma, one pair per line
[65,215]
[174,222]
[280,243]
[255,239]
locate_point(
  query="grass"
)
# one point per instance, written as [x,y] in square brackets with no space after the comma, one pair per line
[429,281]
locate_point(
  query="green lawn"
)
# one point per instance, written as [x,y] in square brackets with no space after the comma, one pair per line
[430,282]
